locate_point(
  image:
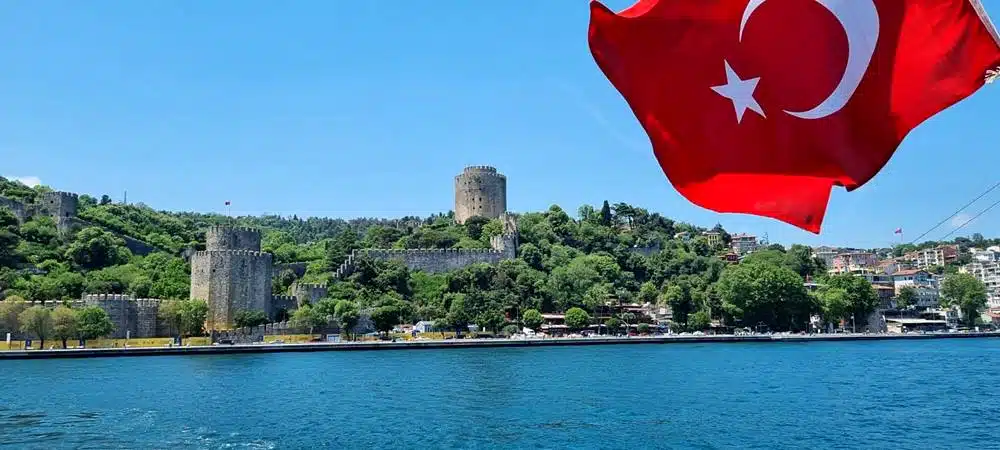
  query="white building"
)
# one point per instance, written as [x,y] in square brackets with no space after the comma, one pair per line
[744,243]
[988,272]
[991,254]
[925,285]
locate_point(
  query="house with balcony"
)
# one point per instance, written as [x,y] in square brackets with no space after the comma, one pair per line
[744,243]
[714,238]
[925,285]
[990,254]
[988,272]
[853,262]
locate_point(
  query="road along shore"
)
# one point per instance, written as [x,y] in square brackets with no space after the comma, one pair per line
[468,343]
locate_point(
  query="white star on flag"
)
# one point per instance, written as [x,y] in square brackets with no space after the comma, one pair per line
[740,92]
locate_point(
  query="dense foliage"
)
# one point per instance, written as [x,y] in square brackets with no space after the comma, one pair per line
[617,253]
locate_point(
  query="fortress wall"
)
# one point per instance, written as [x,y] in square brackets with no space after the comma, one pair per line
[298,268]
[286,302]
[15,207]
[437,260]
[306,292]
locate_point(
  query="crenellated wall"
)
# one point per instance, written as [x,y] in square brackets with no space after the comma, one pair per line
[15,207]
[308,293]
[437,260]
[224,237]
[137,318]
[283,302]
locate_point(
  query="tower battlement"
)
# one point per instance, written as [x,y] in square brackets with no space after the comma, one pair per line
[226,237]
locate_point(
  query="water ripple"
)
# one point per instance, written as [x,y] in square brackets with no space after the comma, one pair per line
[927,394]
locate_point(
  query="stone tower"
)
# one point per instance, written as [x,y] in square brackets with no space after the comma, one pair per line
[58,204]
[480,191]
[232,275]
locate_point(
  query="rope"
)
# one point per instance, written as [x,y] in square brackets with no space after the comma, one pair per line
[992,75]
[970,220]
[956,213]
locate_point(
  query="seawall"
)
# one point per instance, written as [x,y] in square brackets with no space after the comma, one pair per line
[465,343]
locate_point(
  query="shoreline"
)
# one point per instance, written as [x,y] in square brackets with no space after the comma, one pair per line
[467,343]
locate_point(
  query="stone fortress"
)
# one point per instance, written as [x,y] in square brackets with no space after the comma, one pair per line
[480,191]
[62,208]
[232,274]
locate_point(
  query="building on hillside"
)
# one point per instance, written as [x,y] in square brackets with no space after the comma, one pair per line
[714,238]
[925,285]
[930,257]
[990,254]
[853,262]
[825,254]
[886,294]
[988,272]
[744,243]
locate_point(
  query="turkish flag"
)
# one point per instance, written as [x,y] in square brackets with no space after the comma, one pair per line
[762,106]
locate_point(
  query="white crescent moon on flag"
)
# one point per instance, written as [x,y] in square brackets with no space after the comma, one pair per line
[861,23]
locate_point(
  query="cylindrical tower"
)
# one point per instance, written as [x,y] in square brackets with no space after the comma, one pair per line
[225,237]
[480,191]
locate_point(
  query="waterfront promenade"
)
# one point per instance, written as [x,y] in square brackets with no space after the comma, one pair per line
[472,343]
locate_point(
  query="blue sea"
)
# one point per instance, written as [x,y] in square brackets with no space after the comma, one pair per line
[891,394]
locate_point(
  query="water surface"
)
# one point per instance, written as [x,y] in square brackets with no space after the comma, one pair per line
[886,394]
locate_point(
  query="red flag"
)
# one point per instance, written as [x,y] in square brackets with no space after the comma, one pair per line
[898,231]
[762,106]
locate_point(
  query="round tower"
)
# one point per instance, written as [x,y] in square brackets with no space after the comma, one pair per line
[225,237]
[480,191]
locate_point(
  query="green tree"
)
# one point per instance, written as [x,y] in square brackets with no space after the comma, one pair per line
[606,214]
[308,317]
[10,309]
[9,239]
[965,292]
[835,304]
[94,322]
[385,318]
[347,316]
[643,328]
[172,312]
[246,318]
[860,294]
[906,298]
[764,293]
[37,320]
[194,312]
[577,319]
[458,315]
[64,324]
[532,319]
[700,320]
[614,325]
[94,248]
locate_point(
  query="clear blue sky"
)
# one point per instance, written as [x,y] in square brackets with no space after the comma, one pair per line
[349,109]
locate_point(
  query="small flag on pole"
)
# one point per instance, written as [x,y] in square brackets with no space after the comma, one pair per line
[898,231]
[227,203]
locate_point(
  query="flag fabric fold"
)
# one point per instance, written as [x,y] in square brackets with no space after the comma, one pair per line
[762,106]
